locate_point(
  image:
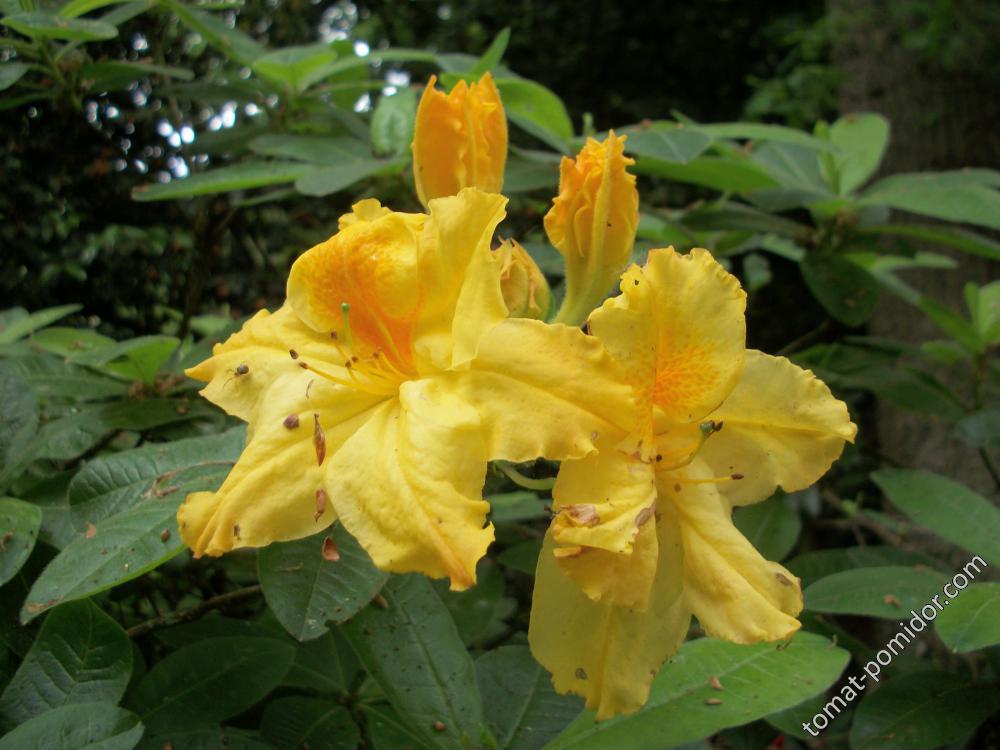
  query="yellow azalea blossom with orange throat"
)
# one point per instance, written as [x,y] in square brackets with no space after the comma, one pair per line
[459,140]
[592,223]
[643,537]
[376,395]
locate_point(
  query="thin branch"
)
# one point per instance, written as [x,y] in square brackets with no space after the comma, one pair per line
[173,618]
[866,522]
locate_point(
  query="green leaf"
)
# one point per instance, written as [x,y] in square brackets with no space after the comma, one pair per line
[19,523]
[115,483]
[122,548]
[479,613]
[723,173]
[951,323]
[76,8]
[491,57]
[392,122]
[972,620]
[771,526]
[756,681]
[754,131]
[234,44]
[20,422]
[327,180]
[80,656]
[984,311]
[93,726]
[845,290]
[889,592]
[811,566]
[214,738]
[960,239]
[52,378]
[674,145]
[11,73]
[413,651]
[522,557]
[523,710]
[22,326]
[510,507]
[908,389]
[862,139]
[297,67]
[980,428]
[951,198]
[306,591]
[38,25]
[535,109]
[314,149]
[316,723]
[388,731]
[113,75]
[324,665]
[136,359]
[210,681]
[243,176]
[921,711]
[69,341]
[524,174]
[947,508]
[794,167]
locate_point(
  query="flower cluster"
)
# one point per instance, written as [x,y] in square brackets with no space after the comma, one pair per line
[412,350]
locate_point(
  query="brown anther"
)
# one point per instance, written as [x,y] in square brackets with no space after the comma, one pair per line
[714,682]
[659,456]
[303,365]
[736,476]
[380,601]
[713,701]
[637,280]
[330,551]
[333,335]
[581,673]
[319,440]
[241,370]
[354,359]
[165,535]
[677,488]
[718,425]
[321,500]
[582,514]
[291,422]
[293,354]
[348,364]
[439,726]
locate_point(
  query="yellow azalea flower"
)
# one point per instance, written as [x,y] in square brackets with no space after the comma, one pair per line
[376,395]
[524,287]
[592,222]
[643,536]
[459,140]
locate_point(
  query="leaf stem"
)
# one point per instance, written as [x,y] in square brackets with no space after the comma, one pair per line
[174,618]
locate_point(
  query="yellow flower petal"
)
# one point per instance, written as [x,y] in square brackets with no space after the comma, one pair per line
[369,266]
[734,592]
[262,348]
[368,209]
[592,222]
[525,289]
[603,499]
[543,391]
[624,579]
[459,279]
[271,493]
[459,140]
[781,427]
[408,485]
[605,653]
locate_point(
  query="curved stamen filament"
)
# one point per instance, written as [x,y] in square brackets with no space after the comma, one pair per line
[705,431]
[354,383]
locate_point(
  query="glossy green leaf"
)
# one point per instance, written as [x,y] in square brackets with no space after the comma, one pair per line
[80,656]
[795,167]
[327,180]
[205,738]
[480,612]
[136,359]
[972,620]
[314,149]
[947,508]
[522,505]
[845,290]
[113,75]
[209,681]
[39,25]
[493,55]
[112,484]
[981,428]
[535,109]
[20,421]
[93,726]
[755,131]
[756,681]
[523,710]
[413,651]
[52,378]
[921,711]
[522,175]
[325,665]
[675,144]
[889,592]
[11,73]
[960,239]
[306,591]
[315,723]
[930,194]
[76,8]
[19,523]
[522,557]
[811,566]
[723,173]
[243,176]
[861,140]
[22,326]
[771,526]
[298,67]
[234,44]
[908,389]
[387,731]
[392,122]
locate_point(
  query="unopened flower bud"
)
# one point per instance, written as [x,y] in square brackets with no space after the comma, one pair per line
[525,290]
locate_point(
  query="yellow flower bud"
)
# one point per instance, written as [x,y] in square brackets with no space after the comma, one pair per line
[525,290]
[592,222]
[459,140]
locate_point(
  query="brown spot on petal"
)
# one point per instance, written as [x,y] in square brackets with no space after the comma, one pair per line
[644,515]
[581,673]
[783,579]
[319,440]
[236,530]
[735,476]
[293,354]
[582,514]
[330,551]
[291,422]
[321,500]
